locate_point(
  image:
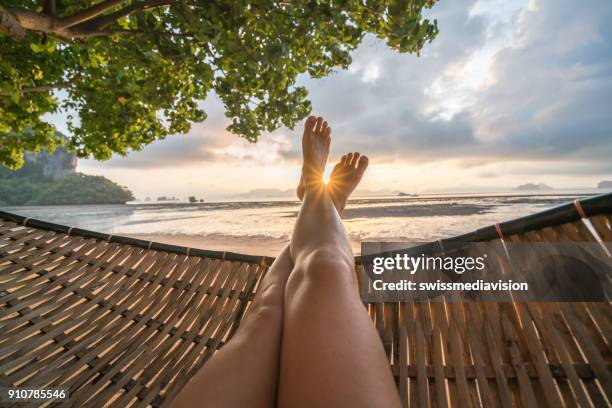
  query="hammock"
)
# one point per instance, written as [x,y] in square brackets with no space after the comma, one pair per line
[125,322]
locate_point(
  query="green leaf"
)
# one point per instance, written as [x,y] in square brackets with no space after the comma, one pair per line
[37,47]
[130,90]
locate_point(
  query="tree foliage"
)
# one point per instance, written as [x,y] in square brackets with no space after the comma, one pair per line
[72,189]
[128,72]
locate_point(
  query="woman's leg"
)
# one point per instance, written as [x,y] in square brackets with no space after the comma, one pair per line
[244,373]
[331,354]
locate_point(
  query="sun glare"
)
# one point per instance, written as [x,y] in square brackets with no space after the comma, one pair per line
[326,179]
[326,174]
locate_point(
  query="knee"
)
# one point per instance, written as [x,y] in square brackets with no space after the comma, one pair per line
[326,263]
[263,314]
[269,297]
[326,258]
[267,313]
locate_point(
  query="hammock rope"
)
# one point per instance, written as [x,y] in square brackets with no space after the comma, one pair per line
[126,322]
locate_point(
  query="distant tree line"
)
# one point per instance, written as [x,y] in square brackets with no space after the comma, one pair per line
[29,187]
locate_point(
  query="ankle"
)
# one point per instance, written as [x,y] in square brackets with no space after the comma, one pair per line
[313,187]
[339,202]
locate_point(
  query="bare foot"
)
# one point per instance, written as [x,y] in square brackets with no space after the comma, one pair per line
[345,176]
[315,148]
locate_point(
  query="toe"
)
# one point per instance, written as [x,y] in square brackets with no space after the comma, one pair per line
[310,122]
[362,164]
[343,160]
[349,157]
[354,159]
[327,132]
[319,123]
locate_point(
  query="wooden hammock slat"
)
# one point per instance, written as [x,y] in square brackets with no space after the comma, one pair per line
[501,379]
[110,324]
[538,356]
[428,324]
[602,224]
[441,396]
[476,347]
[592,354]
[403,363]
[584,371]
[126,322]
[172,306]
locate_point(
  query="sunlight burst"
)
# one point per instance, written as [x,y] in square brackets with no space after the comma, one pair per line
[326,179]
[326,175]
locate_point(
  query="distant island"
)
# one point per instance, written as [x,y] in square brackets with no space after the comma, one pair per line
[265,193]
[534,187]
[52,179]
[605,184]
[165,198]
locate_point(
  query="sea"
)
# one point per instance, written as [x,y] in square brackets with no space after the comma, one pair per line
[391,218]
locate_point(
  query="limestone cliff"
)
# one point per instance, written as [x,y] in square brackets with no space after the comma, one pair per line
[53,165]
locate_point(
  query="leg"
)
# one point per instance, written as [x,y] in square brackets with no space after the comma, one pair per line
[245,371]
[331,354]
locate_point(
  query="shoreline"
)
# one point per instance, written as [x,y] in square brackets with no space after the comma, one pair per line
[244,245]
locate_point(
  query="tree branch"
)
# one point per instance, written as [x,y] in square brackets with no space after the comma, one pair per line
[10,25]
[46,88]
[373,10]
[102,33]
[106,20]
[88,14]
[16,21]
[42,88]
[31,20]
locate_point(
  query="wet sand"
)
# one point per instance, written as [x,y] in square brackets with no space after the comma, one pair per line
[243,245]
[411,210]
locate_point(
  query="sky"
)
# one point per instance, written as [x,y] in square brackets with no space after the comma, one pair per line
[509,92]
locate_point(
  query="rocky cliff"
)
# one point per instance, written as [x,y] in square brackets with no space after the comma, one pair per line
[51,179]
[53,165]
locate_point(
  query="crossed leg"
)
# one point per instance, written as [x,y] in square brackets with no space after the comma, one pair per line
[331,355]
[244,373]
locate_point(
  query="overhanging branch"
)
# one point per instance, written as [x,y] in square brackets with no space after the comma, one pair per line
[88,14]
[42,88]
[31,20]
[16,21]
[104,21]
[10,25]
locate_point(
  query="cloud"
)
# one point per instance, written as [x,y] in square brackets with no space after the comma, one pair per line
[200,145]
[551,93]
[520,83]
[388,110]
[504,80]
[174,151]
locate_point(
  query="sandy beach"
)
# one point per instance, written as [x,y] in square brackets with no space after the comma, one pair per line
[250,246]
[263,228]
